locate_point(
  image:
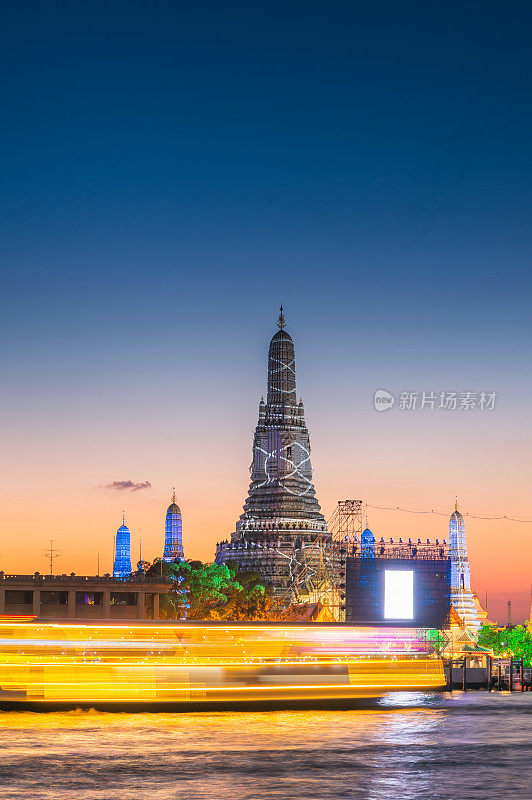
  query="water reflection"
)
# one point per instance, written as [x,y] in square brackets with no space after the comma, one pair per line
[477,741]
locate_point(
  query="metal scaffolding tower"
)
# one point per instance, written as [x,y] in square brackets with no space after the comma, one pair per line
[319,566]
[347,521]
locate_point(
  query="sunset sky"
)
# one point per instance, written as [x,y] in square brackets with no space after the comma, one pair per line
[171,174]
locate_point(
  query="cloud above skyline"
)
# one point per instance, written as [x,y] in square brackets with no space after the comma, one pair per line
[127,485]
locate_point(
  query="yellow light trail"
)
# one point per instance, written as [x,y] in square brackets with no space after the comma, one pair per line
[50,662]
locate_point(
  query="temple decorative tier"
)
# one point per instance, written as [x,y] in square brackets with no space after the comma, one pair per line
[463,600]
[282,533]
[173,534]
[122,562]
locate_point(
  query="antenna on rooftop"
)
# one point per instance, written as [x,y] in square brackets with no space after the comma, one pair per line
[52,554]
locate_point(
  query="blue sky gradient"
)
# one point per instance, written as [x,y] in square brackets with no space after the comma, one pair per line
[172,172]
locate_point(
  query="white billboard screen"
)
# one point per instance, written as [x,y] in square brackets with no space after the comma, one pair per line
[398,594]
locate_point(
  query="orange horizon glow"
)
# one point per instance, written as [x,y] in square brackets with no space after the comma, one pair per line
[61,459]
[204,526]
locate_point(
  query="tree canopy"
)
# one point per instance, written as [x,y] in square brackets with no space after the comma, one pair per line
[214,591]
[515,641]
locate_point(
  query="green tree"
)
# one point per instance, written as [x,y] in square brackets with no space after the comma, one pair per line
[491,638]
[516,641]
[520,644]
[213,591]
[437,641]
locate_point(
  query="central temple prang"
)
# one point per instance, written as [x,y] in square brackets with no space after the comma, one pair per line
[282,533]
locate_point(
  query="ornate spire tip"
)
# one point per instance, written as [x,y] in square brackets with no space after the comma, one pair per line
[173,495]
[280,321]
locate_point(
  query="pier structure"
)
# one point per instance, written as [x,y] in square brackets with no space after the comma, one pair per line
[480,670]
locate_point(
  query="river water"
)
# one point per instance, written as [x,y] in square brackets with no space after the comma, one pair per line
[473,746]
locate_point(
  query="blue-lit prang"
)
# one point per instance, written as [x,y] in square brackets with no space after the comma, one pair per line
[173,537]
[367,544]
[122,565]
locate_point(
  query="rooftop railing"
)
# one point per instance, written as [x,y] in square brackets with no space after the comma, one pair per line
[37,577]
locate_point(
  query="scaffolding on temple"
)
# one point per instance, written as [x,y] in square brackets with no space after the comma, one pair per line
[315,569]
[346,521]
[319,569]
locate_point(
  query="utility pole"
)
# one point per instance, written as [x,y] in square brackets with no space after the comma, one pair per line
[52,553]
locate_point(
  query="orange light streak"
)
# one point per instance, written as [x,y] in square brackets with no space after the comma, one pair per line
[42,662]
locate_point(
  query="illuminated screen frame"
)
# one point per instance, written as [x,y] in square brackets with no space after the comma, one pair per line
[398,594]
